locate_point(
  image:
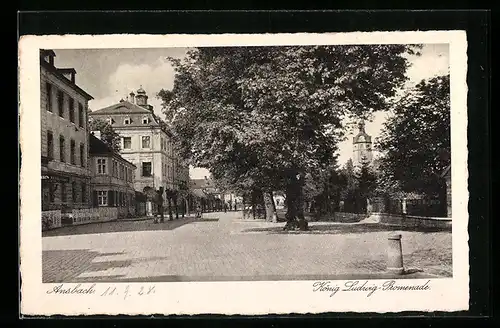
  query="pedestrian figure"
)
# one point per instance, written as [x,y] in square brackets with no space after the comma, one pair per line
[198,211]
[159,202]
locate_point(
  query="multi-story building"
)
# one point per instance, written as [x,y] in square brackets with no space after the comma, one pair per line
[112,178]
[145,142]
[64,137]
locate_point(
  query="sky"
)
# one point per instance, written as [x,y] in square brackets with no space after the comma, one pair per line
[111,74]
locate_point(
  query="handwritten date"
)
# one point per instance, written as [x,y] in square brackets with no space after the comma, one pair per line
[128,291]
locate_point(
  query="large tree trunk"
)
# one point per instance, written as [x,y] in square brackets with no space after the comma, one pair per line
[183,207]
[254,205]
[295,204]
[176,208]
[270,207]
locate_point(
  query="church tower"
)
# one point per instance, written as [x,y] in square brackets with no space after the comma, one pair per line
[141,99]
[362,147]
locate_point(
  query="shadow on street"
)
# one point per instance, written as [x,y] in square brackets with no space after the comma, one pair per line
[66,265]
[122,226]
[344,228]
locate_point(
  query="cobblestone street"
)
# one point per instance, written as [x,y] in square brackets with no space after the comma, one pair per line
[221,246]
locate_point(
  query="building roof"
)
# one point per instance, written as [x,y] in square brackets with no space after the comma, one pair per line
[99,147]
[198,193]
[66,70]
[124,107]
[141,91]
[202,183]
[47,52]
[59,74]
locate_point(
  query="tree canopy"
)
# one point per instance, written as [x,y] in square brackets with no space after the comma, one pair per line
[108,134]
[415,141]
[259,115]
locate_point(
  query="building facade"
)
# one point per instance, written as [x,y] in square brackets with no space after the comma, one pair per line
[145,142]
[64,137]
[112,179]
[205,193]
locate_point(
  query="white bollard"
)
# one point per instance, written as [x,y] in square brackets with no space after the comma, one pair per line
[395,254]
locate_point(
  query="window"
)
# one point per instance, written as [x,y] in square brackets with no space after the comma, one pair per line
[50,145]
[110,121]
[73,152]
[122,173]
[62,158]
[102,198]
[146,142]
[126,121]
[82,155]
[127,142]
[60,103]
[73,192]
[145,120]
[115,169]
[101,166]
[126,174]
[146,169]
[72,110]
[84,192]
[48,90]
[81,117]
[63,193]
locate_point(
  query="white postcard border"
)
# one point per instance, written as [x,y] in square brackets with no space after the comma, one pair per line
[270,297]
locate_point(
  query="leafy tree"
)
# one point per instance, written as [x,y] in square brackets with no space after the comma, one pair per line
[415,141]
[268,117]
[108,134]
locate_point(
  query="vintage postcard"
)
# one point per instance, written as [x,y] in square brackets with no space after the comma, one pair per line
[243,173]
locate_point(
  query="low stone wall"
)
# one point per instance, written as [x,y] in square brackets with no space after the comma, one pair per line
[125,212]
[412,221]
[99,214]
[348,217]
[51,219]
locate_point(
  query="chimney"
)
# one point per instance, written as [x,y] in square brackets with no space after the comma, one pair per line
[132,97]
[96,134]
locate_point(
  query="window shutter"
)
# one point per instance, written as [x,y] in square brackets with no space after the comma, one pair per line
[111,198]
[94,199]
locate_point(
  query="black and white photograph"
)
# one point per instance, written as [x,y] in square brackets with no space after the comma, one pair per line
[167,170]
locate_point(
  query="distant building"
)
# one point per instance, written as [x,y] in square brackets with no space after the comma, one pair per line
[205,192]
[146,143]
[64,137]
[112,178]
[362,147]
